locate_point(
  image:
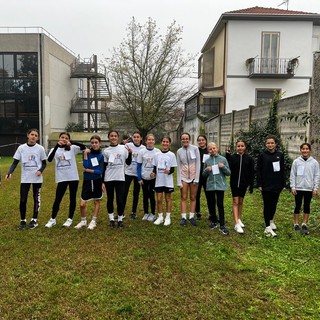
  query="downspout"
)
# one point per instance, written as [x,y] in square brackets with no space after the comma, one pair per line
[40,88]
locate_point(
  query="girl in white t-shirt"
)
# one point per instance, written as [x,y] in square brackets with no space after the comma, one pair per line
[66,174]
[116,156]
[145,177]
[33,162]
[164,164]
[131,172]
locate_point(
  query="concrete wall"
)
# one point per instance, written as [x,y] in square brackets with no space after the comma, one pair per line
[223,128]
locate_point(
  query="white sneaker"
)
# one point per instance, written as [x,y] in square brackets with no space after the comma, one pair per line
[82,223]
[145,216]
[159,221]
[240,223]
[272,225]
[167,222]
[68,223]
[51,223]
[269,232]
[238,228]
[151,217]
[92,225]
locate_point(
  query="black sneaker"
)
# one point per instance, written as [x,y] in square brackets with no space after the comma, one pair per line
[296,228]
[120,224]
[133,215]
[213,225]
[23,225]
[112,224]
[33,224]
[183,222]
[224,230]
[193,222]
[198,216]
[304,229]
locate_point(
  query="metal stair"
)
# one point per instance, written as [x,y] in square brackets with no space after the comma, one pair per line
[92,102]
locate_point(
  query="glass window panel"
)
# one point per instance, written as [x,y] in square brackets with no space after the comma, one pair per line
[27,65]
[8,66]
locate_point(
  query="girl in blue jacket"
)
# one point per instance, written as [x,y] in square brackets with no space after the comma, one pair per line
[216,169]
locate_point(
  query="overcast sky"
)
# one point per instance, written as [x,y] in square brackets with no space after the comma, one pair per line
[95,26]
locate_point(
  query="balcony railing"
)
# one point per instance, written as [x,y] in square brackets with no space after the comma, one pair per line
[271,67]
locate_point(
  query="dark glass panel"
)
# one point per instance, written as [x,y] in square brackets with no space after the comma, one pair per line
[8,66]
[27,65]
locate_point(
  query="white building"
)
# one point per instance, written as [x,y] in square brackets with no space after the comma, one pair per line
[252,52]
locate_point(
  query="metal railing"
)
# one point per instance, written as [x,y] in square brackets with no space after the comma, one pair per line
[270,66]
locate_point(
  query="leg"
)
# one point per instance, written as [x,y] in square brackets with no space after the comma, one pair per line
[120,189]
[198,196]
[60,191]
[73,188]
[235,209]
[298,202]
[83,208]
[267,198]
[36,187]
[273,204]
[306,206]
[159,202]
[220,205]
[24,190]
[128,180]
[145,195]
[110,196]
[136,191]
[168,202]
[151,195]
[96,208]
[184,197]
[211,202]
[193,197]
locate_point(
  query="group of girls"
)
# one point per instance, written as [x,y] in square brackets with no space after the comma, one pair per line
[112,170]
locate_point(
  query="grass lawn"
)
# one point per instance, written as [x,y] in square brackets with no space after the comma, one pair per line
[155,272]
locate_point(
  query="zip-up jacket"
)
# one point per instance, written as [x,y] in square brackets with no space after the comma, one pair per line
[270,171]
[216,181]
[242,170]
[188,161]
[304,174]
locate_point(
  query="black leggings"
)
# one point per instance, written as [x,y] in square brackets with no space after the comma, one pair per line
[202,184]
[307,196]
[119,188]
[136,191]
[213,198]
[148,194]
[24,190]
[270,201]
[60,191]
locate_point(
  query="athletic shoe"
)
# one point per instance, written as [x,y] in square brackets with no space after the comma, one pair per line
[145,216]
[183,222]
[213,225]
[133,215]
[51,223]
[82,223]
[198,216]
[151,217]
[272,225]
[92,225]
[193,222]
[120,224]
[167,222]
[269,232]
[68,223]
[296,227]
[240,223]
[238,228]
[33,224]
[304,229]
[112,224]
[22,225]
[224,230]
[159,221]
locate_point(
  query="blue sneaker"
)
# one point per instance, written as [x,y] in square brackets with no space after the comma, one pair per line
[224,230]
[183,222]
[193,221]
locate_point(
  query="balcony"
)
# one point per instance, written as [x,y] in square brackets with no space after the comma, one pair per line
[272,68]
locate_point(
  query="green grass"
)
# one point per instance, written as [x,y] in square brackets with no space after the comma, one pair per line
[153,272]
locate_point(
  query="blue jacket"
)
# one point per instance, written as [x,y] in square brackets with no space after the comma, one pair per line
[216,181]
[98,169]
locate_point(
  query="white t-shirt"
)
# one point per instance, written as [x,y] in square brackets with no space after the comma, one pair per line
[164,160]
[31,158]
[131,170]
[66,164]
[115,157]
[145,157]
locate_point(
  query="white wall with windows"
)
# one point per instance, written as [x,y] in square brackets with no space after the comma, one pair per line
[271,39]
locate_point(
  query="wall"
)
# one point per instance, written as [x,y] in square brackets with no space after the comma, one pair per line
[222,128]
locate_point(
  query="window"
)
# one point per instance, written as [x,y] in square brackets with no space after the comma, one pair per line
[207,71]
[264,97]
[270,52]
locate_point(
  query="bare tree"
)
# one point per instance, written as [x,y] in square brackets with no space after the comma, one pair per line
[148,74]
